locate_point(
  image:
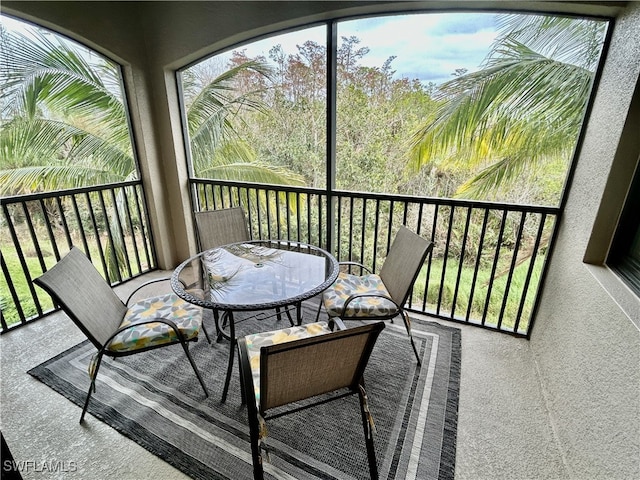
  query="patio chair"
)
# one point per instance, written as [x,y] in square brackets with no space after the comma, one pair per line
[215,228]
[113,327]
[383,296]
[221,227]
[304,362]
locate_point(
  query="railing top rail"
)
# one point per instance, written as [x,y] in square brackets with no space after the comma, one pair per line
[550,210]
[70,191]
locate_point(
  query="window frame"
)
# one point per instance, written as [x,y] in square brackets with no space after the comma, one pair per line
[624,254]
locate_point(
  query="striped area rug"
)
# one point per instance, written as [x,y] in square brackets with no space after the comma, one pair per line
[154,399]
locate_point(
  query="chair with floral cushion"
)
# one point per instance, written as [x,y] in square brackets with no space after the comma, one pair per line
[113,327]
[383,296]
[286,366]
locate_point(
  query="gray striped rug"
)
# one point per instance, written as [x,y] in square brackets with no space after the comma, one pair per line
[154,399]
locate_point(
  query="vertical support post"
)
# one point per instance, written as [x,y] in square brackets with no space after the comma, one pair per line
[332,80]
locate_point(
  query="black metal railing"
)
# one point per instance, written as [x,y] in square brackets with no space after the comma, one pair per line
[108,222]
[485,268]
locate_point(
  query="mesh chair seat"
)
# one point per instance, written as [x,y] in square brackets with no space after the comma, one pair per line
[256,341]
[346,285]
[186,316]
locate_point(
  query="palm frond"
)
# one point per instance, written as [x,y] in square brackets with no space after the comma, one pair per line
[257,172]
[522,106]
[52,177]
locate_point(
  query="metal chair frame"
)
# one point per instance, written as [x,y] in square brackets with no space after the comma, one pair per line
[353,386]
[102,347]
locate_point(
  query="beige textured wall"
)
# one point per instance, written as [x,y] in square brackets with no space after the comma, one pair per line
[587,346]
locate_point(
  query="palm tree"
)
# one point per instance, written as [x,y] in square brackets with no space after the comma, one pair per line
[64,122]
[523,109]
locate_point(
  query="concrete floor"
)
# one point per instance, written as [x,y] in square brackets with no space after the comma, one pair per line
[504,430]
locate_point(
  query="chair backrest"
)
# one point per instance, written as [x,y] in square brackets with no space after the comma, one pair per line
[220,227]
[312,366]
[79,289]
[403,263]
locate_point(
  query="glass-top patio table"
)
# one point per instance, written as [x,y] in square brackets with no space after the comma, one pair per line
[253,276]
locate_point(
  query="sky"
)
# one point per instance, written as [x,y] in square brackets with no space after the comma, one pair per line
[428,47]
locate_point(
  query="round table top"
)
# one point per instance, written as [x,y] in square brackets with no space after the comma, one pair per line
[254,275]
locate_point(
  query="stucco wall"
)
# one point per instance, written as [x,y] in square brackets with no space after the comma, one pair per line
[587,346]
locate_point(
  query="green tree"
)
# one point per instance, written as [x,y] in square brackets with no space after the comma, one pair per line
[522,110]
[64,122]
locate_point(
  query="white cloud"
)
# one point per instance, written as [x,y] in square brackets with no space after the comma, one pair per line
[429,47]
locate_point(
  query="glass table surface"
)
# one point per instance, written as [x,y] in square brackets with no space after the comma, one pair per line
[254,275]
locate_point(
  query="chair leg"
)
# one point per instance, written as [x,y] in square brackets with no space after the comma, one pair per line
[256,456]
[407,324]
[206,334]
[368,432]
[195,368]
[319,308]
[232,353]
[216,319]
[246,383]
[92,385]
[298,308]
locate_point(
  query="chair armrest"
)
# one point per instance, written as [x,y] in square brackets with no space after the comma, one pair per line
[150,282]
[168,322]
[354,264]
[362,295]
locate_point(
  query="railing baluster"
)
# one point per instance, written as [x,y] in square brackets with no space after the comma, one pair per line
[390,224]
[532,261]
[363,226]
[445,258]
[107,223]
[278,220]
[375,236]
[122,239]
[461,264]
[80,225]
[143,219]
[23,262]
[477,265]
[47,222]
[34,237]
[512,268]
[131,229]
[428,276]
[309,198]
[496,259]
[14,295]
[65,225]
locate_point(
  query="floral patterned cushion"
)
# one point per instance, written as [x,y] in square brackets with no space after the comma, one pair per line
[186,316]
[259,340]
[346,285]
